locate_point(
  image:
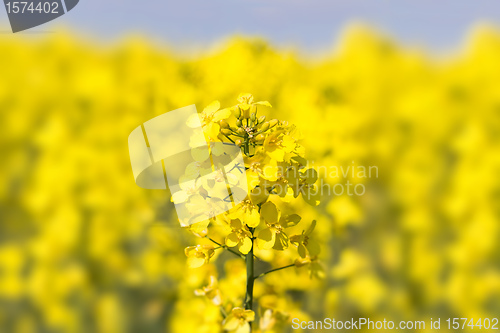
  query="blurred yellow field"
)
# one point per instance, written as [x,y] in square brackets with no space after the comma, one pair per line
[83,249]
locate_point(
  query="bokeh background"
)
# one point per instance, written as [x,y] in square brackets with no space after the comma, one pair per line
[414,91]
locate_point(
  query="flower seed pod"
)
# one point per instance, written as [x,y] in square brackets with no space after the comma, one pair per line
[273,123]
[224,124]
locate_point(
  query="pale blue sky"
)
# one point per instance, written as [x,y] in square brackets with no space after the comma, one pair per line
[310,24]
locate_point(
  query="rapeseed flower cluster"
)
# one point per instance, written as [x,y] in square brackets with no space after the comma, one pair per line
[277,176]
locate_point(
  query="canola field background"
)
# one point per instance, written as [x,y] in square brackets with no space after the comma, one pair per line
[83,249]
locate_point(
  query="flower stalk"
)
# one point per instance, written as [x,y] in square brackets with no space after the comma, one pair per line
[273,270]
[250,279]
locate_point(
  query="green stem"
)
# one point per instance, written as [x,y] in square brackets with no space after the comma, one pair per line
[273,270]
[249,257]
[250,278]
[223,312]
[229,138]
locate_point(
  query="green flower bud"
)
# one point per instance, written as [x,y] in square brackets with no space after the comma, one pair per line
[264,127]
[226,131]
[260,137]
[273,123]
[237,112]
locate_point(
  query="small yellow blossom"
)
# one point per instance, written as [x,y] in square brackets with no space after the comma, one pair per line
[239,320]
[304,244]
[211,291]
[239,236]
[199,255]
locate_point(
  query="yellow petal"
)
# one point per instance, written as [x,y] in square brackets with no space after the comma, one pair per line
[192,171]
[269,212]
[195,262]
[222,114]
[270,172]
[199,227]
[252,179]
[313,248]
[281,242]
[179,197]
[245,98]
[244,106]
[311,195]
[252,218]
[190,251]
[264,103]
[245,245]
[230,323]
[236,224]
[194,121]
[232,240]
[290,220]
[249,315]
[259,195]
[288,144]
[243,328]
[211,108]
[302,250]
[317,270]
[200,154]
[199,292]
[266,239]
[277,154]
[311,175]
[212,130]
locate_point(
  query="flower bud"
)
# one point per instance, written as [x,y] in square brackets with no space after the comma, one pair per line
[238,142]
[273,123]
[253,117]
[224,124]
[262,119]
[237,112]
[241,131]
[239,123]
[260,137]
[246,113]
[264,127]
[226,131]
